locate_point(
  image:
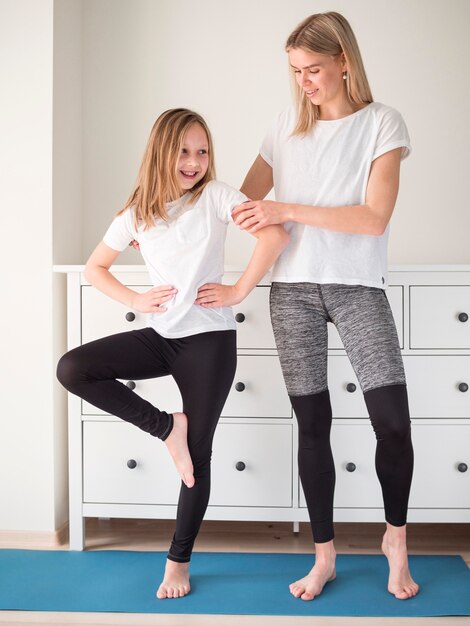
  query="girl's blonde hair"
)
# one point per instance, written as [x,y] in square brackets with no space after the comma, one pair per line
[331,34]
[157,181]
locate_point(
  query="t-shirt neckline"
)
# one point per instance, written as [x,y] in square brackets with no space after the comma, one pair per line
[346,117]
[181,200]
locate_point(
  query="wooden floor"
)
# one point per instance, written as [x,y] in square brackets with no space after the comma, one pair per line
[249,537]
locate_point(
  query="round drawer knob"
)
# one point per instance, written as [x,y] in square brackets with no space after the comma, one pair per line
[240,318]
[350,467]
[351,387]
[240,466]
[463,317]
[463,387]
[131,384]
[130,317]
[131,464]
[240,386]
[462,467]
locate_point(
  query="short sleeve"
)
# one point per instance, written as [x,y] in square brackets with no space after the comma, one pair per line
[121,232]
[267,146]
[226,198]
[392,133]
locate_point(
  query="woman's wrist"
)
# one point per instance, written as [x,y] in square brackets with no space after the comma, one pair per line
[241,289]
[289,213]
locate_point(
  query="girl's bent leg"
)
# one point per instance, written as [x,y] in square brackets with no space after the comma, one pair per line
[91,372]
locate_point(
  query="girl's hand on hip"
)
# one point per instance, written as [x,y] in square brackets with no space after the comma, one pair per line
[150,301]
[135,244]
[256,214]
[213,295]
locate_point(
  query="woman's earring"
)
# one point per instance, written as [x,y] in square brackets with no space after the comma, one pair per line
[345,75]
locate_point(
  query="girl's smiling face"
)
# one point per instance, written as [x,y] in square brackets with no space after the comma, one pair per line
[193,160]
[319,75]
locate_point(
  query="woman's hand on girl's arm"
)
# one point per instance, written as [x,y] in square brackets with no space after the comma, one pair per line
[256,214]
[97,273]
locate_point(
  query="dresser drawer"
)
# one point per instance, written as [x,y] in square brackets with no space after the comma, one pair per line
[103,316]
[440,477]
[354,456]
[253,319]
[252,465]
[441,473]
[107,449]
[439,317]
[347,399]
[258,377]
[258,389]
[438,386]
[395,297]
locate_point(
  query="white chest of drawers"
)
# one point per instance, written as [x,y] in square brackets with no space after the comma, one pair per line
[113,466]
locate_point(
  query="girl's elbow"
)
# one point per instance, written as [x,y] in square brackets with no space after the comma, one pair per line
[283,237]
[275,234]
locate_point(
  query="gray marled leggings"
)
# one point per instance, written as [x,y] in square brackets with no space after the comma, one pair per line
[363,318]
[362,315]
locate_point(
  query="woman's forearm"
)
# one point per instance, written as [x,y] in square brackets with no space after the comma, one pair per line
[271,242]
[356,218]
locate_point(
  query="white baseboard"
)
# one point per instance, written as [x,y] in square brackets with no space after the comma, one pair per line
[25,539]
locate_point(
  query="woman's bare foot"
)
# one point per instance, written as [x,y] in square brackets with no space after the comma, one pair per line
[322,572]
[177,444]
[175,581]
[400,583]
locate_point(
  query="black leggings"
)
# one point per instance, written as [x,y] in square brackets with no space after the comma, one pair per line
[389,414]
[203,367]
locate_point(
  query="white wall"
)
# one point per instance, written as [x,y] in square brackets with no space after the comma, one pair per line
[67,210]
[26,417]
[82,83]
[227,61]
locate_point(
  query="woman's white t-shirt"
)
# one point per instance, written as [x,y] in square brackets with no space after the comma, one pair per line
[330,167]
[186,252]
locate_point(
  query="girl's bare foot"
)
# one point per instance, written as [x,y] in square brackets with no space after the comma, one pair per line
[177,444]
[400,583]
[175,581]
[321,573]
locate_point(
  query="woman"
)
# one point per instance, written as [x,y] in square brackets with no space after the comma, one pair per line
[334,161]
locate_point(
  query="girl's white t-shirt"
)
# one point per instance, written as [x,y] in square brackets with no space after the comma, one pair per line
[186,252]
[330,167]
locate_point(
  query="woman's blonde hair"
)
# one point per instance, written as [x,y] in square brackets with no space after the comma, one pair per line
[331,34]
[157,181]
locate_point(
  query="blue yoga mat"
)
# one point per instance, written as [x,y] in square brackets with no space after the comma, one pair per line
[225,583]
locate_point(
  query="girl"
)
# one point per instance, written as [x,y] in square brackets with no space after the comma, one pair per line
[335,161]
[178,213]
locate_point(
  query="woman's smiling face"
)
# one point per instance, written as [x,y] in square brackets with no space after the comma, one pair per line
[319,75]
